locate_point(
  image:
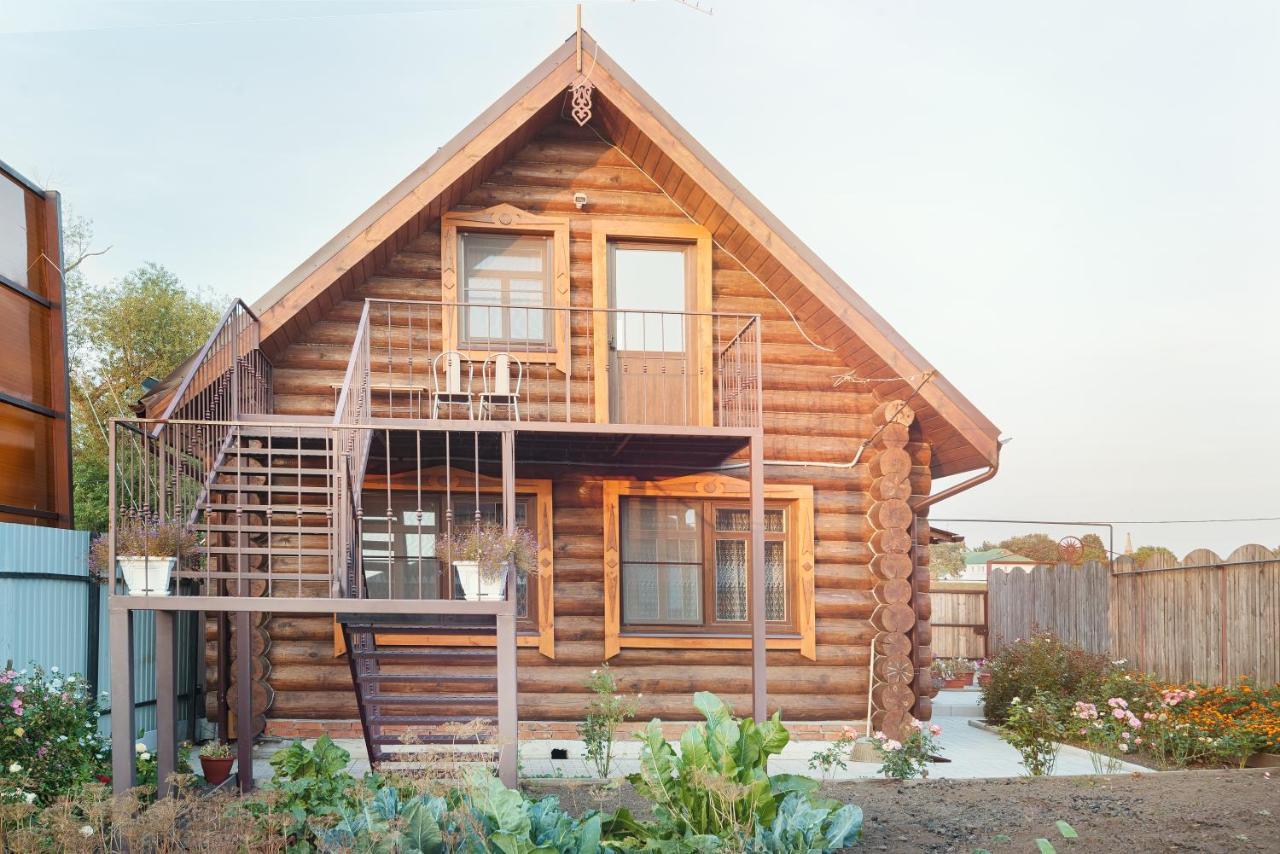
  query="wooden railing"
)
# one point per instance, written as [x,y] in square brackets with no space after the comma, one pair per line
[443,361]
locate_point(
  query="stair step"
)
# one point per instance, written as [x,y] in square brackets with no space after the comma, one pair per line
[285,551]
[303,530]
[275,470]
[421,700]
[421,678]
[442,739]
[431,720]
[420,624]
[318,509]
[268,430]
[270,487]
[429,655]
[240,450]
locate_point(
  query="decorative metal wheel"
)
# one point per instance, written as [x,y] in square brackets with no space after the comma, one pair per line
[1071,550]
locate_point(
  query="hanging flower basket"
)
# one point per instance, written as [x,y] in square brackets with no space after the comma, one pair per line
[482,555]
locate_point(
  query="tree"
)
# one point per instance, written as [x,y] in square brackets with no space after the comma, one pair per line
[946,559]
[1094,548]
[1143,554]
[143,325]
[1041,548]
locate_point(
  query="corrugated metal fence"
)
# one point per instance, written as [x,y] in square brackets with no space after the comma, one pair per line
[52,613]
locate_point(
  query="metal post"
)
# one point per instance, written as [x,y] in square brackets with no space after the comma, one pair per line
[508,712]
[759,675]
[166,704]
[122,731]
[244,703]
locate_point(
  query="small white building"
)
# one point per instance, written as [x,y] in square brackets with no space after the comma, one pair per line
[978,564]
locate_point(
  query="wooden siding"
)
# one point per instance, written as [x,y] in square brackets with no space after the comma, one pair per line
[805,419]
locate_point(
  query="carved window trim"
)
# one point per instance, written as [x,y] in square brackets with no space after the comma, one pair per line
[506,219]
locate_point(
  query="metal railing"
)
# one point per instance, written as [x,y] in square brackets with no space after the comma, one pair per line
[470,361]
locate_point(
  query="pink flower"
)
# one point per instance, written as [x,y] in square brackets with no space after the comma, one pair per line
[1125,736]
[1118,714]
[18,689]
[19,711]
[1138,740]
[935,730]
[16,704]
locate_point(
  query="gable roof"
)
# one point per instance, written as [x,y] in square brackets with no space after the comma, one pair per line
[961,437]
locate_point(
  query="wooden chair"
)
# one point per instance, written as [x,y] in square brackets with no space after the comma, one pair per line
[499,387]
[451,392]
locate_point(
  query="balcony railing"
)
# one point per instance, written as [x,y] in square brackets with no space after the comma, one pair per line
[466,361]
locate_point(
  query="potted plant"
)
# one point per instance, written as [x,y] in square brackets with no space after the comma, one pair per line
[483,553]
[215,761]
[984,673]
[952,672]
[146,553]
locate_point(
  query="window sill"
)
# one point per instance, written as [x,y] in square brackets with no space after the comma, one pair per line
[702,640]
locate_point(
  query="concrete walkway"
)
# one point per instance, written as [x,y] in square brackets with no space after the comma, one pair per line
[973,752]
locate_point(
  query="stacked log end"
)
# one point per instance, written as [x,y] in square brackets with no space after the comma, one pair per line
[895,618]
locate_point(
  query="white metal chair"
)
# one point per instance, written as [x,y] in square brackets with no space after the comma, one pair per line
[452,392]
[501,388]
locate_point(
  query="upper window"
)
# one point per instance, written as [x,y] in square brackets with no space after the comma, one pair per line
[685,564]
[506,281]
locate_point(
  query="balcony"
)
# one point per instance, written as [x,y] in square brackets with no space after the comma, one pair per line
[651,371]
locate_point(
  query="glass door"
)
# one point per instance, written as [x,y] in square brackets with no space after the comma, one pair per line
[650,335]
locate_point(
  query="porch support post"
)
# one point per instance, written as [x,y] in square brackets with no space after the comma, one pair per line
[166,703]
[759,678]
[508,721]
[244,702]
[122,726]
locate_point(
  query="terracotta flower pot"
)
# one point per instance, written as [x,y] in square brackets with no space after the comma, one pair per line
[984,679]
[216,770]
[957,681]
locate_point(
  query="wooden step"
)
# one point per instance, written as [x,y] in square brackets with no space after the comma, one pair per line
[427,678]
[427,700]
[270,487]
[429,655]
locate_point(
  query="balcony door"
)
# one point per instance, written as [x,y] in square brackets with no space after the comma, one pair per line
[651,354]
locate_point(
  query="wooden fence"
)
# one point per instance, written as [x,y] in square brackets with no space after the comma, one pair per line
[1203,619]
[959,619]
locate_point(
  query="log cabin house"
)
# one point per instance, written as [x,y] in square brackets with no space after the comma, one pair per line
[573,320]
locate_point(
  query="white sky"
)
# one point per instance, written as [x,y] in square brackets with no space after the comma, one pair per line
[1072,209]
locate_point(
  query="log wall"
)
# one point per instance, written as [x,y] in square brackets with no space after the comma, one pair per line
[806,418]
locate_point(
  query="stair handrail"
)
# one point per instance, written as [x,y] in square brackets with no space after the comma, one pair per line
[351,451]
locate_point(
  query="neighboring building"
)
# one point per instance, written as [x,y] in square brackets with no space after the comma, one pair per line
[35,403]
[596,333]
[979,564]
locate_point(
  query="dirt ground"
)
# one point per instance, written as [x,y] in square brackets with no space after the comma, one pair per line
[1174,811]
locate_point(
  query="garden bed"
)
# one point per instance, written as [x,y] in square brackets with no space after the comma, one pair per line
[1127,812]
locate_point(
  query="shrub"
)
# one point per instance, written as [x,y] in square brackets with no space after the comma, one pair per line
[492,548]
[49,742]
[1043,663]
[606,712]
[909,758]
[1034,728]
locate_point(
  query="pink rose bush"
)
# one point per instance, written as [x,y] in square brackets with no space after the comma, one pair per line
[908,758]
[49,742]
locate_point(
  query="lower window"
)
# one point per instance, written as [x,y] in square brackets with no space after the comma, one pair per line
[685,564]
[398,545]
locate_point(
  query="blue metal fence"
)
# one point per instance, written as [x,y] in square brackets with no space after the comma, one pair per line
[53,613]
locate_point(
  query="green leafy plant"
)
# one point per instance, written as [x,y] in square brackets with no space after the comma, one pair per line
[1035,729]
[492,549]
[310,784]
[717,789]
[607,711]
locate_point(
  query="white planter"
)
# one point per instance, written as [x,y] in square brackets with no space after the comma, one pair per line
[475,588]
[146,576]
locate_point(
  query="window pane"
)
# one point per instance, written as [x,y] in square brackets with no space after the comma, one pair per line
[507,253]
[775,581]
[731,579]
[661,561]
[13,232]
[661,593]
[650,283]
[739,519]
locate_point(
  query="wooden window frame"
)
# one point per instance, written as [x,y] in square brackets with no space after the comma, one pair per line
[709,535]
[603,231]
[719,489]
[507,219]
[542,588]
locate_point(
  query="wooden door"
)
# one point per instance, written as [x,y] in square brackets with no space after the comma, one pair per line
[651,334]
